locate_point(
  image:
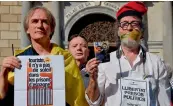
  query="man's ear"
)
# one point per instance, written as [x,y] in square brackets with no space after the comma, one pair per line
[27,31]
[68,48]
[118,33]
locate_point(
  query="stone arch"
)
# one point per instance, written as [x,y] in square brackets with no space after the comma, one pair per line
[96,27]
[84,12]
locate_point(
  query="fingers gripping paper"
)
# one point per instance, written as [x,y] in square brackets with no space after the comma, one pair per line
[36,82]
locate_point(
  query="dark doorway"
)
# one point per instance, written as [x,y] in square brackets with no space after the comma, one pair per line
[96,27]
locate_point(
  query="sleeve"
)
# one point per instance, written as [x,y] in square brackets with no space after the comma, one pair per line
[101,84]
[164,91]
[171,82]
[75,94]
[96,103]
[9,98]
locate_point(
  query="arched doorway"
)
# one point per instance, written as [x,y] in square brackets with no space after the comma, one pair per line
[96,27]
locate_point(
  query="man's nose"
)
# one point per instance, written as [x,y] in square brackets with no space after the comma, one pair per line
[39,24]
[78,47]
[130,28]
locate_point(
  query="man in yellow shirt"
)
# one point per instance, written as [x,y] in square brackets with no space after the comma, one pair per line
[39,25]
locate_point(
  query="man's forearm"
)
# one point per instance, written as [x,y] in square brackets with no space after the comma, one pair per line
[3,86]
[93,90]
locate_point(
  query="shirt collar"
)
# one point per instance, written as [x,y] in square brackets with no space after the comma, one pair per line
[33,51]
[139,54]
[55,49]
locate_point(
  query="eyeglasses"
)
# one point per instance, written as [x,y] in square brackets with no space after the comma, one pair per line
[134,24]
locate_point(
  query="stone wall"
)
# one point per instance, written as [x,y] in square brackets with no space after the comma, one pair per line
[10,26]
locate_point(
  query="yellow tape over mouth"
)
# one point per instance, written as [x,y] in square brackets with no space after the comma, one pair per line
[135,35]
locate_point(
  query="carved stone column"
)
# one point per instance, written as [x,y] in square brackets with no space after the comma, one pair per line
[167,32]
[58,12]
[26,5]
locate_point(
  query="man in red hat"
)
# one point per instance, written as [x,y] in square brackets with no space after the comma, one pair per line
[133,77]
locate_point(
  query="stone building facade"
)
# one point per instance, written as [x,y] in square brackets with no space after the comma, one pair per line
[96,20]
[10,27]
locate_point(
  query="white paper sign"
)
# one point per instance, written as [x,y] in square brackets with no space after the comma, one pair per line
[134,92]
[40,81]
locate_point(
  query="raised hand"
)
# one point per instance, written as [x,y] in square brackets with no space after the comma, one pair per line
[92,68]
[9,63]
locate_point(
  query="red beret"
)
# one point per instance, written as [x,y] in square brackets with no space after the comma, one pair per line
[132,8]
